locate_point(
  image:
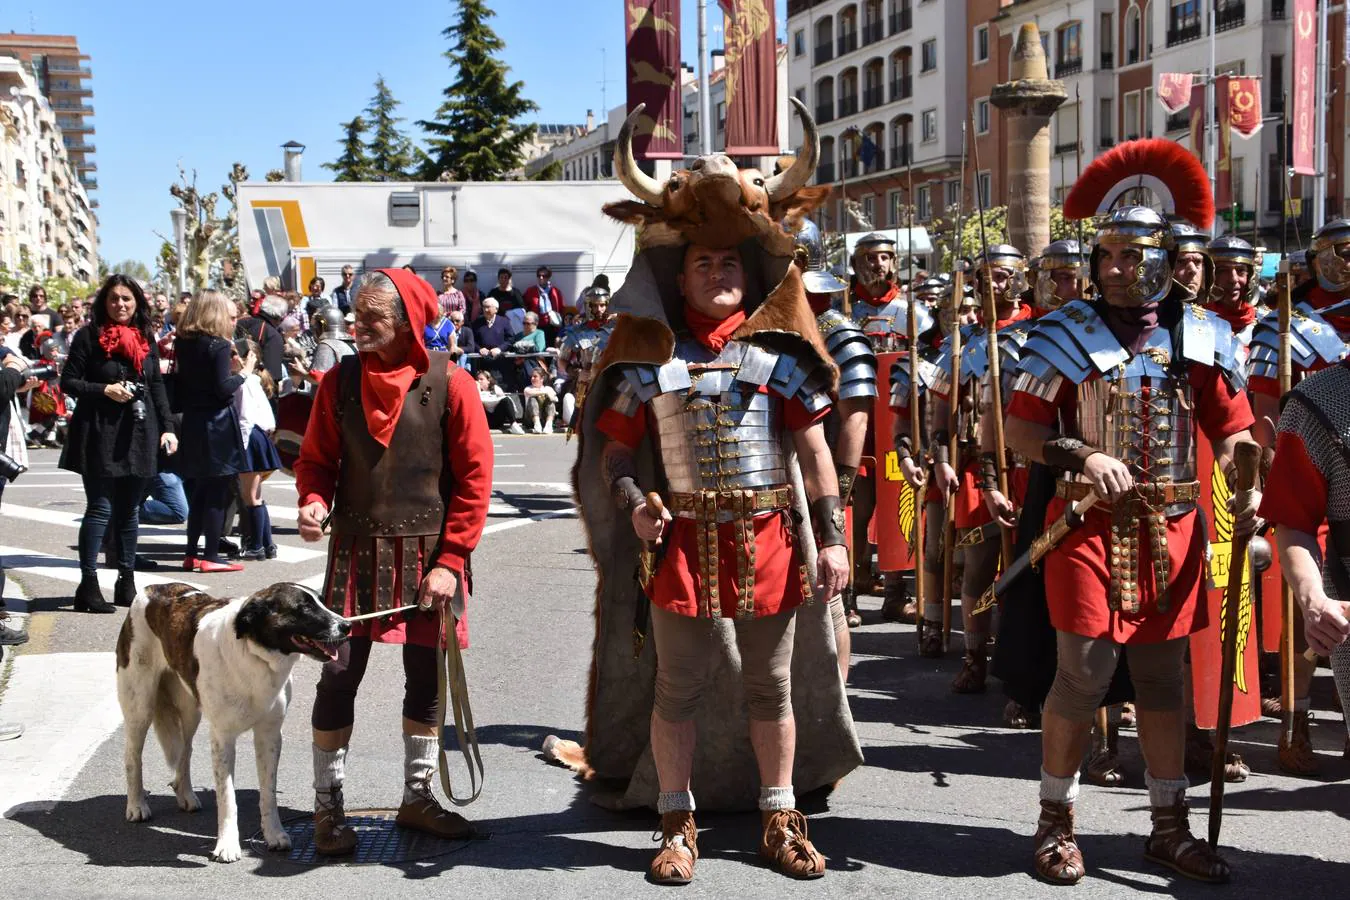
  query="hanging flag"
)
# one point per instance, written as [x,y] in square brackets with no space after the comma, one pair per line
[1223,169]
[1244,106]
[751,77]
[867,150]
[1174,90]
[1198,121]
[1305,80]
[652,28]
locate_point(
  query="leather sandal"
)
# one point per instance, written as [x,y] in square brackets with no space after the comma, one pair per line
[1015,715]
[674,862]
[1171,844]
[786,846]
[1297,757]
[1103,766]
[1058,859]
[930,645]
[974,672]
[332,835]
[1235,770]
[426,815]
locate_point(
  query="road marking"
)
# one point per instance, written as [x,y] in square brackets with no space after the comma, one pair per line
[556,485]
[59,737]
[44,565]
[516,523]
[150,534]
[511,466]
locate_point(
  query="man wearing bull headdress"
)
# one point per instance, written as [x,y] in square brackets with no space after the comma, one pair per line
[1319,328]
[1110,393]
[710,396]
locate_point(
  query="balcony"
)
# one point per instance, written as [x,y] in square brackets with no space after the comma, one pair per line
[824,53]
[824,112]
[86,166]
[1070,147]
[62,68]
[902,88]
[901,155]
[1106,142]
[874,97]
[873,32]
[846,43]
[72,106]
[79,147]
[849,169]
[848,105]
[1181,34]
[90,184]
[1108,61]
[1178,121]
[1131,56]
[1068,67]
[1230,15]
[901,21]
[825,173]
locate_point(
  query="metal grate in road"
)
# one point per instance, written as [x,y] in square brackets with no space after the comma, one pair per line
[379,842]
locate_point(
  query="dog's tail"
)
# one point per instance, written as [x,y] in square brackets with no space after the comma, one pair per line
[175,717]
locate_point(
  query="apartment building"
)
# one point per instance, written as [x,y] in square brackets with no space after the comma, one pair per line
[46,223]
[887,83]
[62,74]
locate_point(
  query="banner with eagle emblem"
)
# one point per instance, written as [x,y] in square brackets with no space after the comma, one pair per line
[652,30]
[1207,645]
[750,73]
[894,517]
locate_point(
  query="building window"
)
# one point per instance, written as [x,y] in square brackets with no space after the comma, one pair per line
[981,47]
[929,125]
[1131,129]
[799,42]
[800,94]
[897,209]
[984,183]
[953,198]
[982,116]
[1275,92]
[929,55]
[721,115]
[1146,113]
[1066,129]
[869,208]
[1106,121]
[1133,36]
[1069,49]
[924,202]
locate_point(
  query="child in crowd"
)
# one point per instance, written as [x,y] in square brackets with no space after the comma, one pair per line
[257,422]
[541,402]
[503,409]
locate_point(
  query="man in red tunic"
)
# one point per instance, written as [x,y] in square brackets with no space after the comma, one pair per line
[398,448]
[1111,394]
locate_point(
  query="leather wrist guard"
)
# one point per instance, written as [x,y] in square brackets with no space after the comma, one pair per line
[627,494]
[827,517]
[988,472]
[847,475]
[1067,453]
[904,447]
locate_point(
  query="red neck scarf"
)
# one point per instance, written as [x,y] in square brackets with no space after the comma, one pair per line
[712,333]
[126,342]
[860,294]
[1020,312]
[1238,318]
[384,386]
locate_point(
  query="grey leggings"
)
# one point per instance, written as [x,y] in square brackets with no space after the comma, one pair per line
[1087,664]
[684,652]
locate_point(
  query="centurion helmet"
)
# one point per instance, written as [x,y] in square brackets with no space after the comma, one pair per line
[1330,256]
[1061,255]
[1178,182]
[809,251]
[332,323]
[593,297]
[1009,258]
[1229,248]
[874,241]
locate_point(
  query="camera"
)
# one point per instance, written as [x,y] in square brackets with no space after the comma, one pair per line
[138,411]
[10,468]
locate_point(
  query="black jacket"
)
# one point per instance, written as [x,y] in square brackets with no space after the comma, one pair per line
[10,382]
[211,445]
[269,341]
[104,439]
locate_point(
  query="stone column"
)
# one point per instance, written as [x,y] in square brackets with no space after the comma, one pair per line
[1028,102]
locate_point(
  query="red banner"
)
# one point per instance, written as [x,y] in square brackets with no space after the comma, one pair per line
[1244,106]
[1223,171]
[652,30]
[1198,120]
[1174,90]
[751,77]
[1305,80]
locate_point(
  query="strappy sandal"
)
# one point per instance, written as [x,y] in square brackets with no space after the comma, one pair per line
[1171,844]
[974,672]
[930,645]
[1103,767]
[1015,715]
[1058,859]
[674,862]
[786,846]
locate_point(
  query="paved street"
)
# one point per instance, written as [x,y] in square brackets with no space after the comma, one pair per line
[944,807]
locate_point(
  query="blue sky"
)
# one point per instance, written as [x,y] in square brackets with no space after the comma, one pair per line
[205,84]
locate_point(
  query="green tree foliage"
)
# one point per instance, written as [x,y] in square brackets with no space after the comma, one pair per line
[943,232]
[390,153]
[551,172]
[132,268]
[473,136]
[354,163]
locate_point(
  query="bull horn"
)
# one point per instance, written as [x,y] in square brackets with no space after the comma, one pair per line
[795,176]
[642,185]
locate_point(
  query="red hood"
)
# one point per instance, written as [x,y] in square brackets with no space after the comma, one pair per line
[383,388]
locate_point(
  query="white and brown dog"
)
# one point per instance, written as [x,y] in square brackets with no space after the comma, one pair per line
[182,653]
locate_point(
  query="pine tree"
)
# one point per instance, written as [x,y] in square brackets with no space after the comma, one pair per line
[353,164]
[473,137]
[389,151]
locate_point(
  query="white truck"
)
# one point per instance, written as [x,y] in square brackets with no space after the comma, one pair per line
[296,230]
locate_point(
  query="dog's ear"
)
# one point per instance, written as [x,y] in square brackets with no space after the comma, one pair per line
[251,618]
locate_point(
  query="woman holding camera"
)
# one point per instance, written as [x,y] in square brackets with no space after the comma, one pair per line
[121,421]
[213,453]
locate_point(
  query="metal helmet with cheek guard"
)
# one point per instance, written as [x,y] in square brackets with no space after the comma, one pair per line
[593,297]
[332,324]
[1330,256]
[1059,255]
[868,243]
[930,291]
[1229,248]
[1145,229]
[1190,239]
[1005,256]
[809,251]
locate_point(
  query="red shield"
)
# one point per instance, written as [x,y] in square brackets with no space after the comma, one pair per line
[894,517]
[292,419]
[1206,645]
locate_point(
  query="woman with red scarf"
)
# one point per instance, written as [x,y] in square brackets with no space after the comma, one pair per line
[121,421]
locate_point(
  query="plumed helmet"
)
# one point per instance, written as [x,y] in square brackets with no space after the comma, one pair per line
[1229,248]
[1145,228]
[1330,256]
[809,251]
[331,322]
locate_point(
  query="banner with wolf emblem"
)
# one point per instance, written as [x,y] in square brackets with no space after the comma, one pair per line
[1207,645]
[894,517]
[751,78]
[652,30]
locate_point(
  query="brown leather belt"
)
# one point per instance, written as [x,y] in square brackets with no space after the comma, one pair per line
[1142,495]
[728,505]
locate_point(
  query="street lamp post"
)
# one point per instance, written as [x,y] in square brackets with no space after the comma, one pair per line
[179,216]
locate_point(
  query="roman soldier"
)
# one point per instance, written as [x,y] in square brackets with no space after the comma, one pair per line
[1060,273]
[850,416]
[1319,329]
[1233,293]
[1193,269]
[580,347]
[874,283]
[1110,394]
[711,393]
[980,507]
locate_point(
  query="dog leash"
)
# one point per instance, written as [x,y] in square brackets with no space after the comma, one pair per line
[451,684]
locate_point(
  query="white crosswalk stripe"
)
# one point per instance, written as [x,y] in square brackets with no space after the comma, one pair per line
[45,565]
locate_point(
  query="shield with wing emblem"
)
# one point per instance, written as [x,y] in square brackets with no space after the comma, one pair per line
[894,517]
